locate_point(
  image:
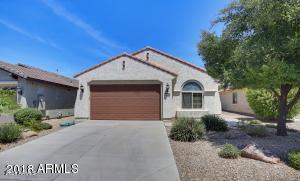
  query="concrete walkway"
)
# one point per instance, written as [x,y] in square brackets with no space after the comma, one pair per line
[103,150]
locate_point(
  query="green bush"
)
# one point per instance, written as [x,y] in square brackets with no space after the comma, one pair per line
[255,122]
[34,125]
[294,159]
[255,130]
[9,132]
[265,105]
[214,123]
[8,101]
[46,125]
[229,151]
[187,129]
[28,114]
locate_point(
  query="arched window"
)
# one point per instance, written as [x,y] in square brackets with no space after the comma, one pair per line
[192,96]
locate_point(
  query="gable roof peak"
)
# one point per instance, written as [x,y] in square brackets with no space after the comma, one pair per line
[128,56]
[170,57]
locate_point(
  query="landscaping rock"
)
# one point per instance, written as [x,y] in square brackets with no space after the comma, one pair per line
[236,134]
[251,151]
[26,129]
[29,134]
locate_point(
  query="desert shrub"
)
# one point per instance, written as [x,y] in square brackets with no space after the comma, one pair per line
[255,122]
[265,105]
[27,114]
[256,130]
[187,129]
[229,151]
[214,123]
[46,125]
[34,125]
[9,132]
[8,101]
[294,159]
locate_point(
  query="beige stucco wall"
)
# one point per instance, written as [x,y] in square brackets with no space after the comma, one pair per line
[242,105]
[137,72]
[134,72]
[212,104]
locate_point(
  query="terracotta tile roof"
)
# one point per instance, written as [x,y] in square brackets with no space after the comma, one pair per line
[30,72]
[129,56]
[169,56]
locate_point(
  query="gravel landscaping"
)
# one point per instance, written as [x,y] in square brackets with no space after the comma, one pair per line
[55,127]
[200,161]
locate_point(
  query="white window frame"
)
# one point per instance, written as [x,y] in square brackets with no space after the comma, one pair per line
[202,93]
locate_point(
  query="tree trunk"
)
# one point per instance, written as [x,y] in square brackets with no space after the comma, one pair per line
[283,110]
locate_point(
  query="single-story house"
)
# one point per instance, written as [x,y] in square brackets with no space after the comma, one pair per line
[235,100]
[51,93]
[146,85]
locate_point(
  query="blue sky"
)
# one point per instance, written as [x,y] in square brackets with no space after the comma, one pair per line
[72,35]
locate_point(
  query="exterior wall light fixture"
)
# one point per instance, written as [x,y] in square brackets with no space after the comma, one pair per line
[167,91]
[81,88]
[19,90]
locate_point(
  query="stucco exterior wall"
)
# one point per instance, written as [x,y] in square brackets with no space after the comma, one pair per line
[242,105]
[54,96]
[212,104]
[134,72]
[137,72]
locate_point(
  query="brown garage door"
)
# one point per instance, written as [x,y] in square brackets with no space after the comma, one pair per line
[125,102]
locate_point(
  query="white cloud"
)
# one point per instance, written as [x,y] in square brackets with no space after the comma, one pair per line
[25,33]
[75,20]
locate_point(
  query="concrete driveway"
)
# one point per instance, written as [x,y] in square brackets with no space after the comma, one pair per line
[103,150]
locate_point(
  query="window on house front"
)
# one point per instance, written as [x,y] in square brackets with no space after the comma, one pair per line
[192,96]
[234,98]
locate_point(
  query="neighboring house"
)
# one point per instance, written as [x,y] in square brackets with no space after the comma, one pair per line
[235,100]
[51,93]
[145,85]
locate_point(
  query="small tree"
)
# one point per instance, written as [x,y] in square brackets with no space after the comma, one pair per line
[265,105]
[258,48]
[8,100]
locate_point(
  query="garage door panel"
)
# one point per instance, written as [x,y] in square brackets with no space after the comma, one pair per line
[128,116]
[127,102]
[128,110]
[126,94]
